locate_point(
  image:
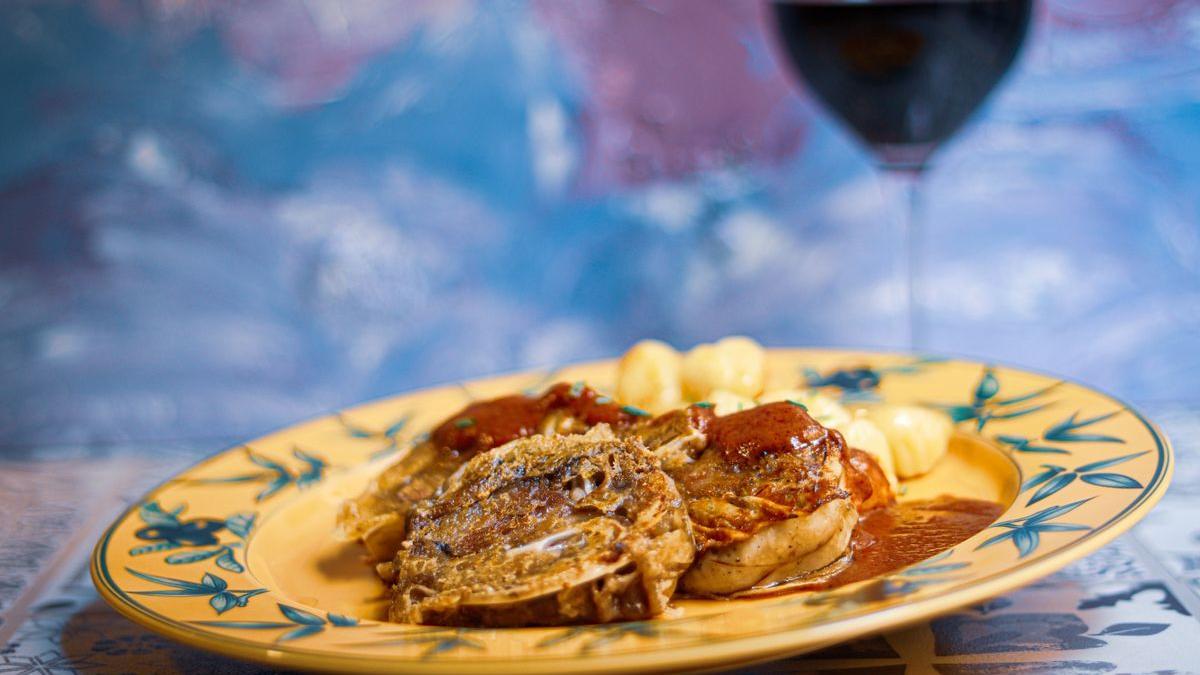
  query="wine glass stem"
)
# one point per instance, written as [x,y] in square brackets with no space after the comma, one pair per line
[903,190]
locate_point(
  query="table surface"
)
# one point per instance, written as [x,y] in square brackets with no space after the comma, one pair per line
[1132,607]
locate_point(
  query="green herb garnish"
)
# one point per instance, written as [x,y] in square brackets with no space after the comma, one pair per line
[635,411]
[464,422]
[703,404]
[798,404]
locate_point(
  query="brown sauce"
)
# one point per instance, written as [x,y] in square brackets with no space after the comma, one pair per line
[774,428]
[590,406]
[900,535]
[484,425]
[488,424]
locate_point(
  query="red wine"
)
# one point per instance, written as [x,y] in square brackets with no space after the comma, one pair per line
[903,75]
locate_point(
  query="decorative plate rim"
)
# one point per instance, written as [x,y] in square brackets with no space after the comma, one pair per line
[701,653]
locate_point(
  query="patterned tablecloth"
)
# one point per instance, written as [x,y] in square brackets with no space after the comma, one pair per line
[1130,608]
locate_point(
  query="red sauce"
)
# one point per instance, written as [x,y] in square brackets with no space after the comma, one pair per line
[890,538]
[590,406]
[774,428]
[484,425]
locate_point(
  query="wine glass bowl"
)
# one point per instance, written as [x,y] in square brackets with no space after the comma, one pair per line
[904,76]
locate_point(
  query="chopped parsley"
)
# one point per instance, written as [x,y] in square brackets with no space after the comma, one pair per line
[577,389]
[603,400]
[703,404]
[464,422]
[635,411]
[798,404]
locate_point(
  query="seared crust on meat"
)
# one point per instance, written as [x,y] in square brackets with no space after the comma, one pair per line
[765,490]
[760,466]
[379,516]
[676,437]
[867,483]
[547,530]
[780,551]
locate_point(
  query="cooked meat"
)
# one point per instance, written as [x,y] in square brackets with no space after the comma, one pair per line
[779,551]
[675,437]
[378,517]
[547,530]
[867,483]
[765,490]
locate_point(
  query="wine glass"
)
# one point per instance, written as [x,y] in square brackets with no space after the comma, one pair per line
[904,76]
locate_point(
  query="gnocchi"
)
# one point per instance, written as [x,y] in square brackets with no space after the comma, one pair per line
[918,437]
[726,402]
[861,433]
[735,364]
[648,376]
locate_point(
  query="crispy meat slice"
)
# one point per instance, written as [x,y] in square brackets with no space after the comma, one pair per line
[866,482]
[676,437]
[547,530]
[765,490]
[378,517]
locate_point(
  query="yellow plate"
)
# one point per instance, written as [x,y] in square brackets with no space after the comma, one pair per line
[235,556]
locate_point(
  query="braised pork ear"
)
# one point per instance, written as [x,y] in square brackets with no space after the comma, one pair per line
[765,491]
[547,530]
[379,516]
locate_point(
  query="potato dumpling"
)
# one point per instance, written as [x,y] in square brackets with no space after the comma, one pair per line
[918,437]
[734,364]
[648,376]
[726,402]
[822,408]
[862,434]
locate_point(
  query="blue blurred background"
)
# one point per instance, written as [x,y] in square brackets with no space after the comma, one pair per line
[220,217]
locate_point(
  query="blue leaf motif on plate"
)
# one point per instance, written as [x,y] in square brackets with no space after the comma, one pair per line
[153,514]
[861,382]
[223,601]
[1026,539]
[188,557]
[301,616]
[1023,444]
[221,597]
[987,404]
[300,622]
[240,524]
[1112,480]
[302,631]
[1106,463]
[170,532]
[226,561]
[1054,478]
[1053,485]
[275,475]
[341,620]
[1025,532]
[1135,629]
[1066,430]
[390,436]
